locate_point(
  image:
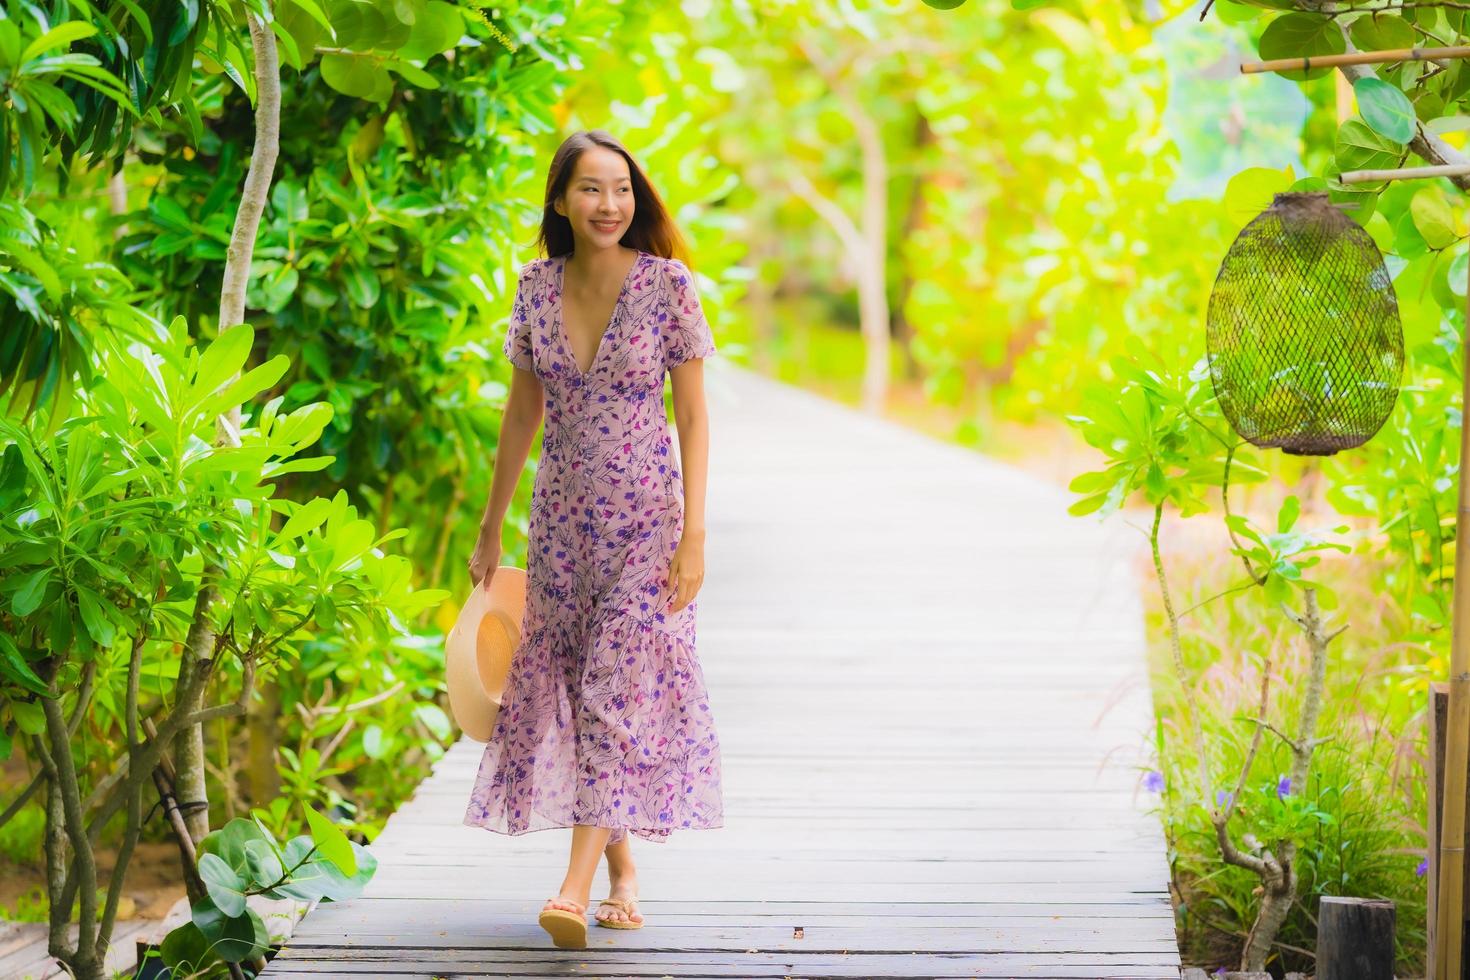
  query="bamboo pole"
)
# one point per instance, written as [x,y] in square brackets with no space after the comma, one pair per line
[1449,908]
[1449,916]
[1354,58]
[1405,173]
[1448,913]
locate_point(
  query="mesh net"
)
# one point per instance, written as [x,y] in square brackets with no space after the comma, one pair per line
[1305,346]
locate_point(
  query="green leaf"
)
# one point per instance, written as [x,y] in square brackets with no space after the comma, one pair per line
[1291,508]
[333,844]
[60,36]
[222,360]
[315,13]
[31,591]
[185,950]
[372,741]
[437,28]
[225,887]
[14,667]
[414,74]
[362,285]
[434,719]
[304,30]
[304,426]
[29,716]
[1433,217]
[1408,243]
[89,604]
[1386,108]
[1300,35]
[263,862]
[1382,32]
[243,388]
[326,612]
[351,75]
[1252,190]
[233,938]
[1360,148]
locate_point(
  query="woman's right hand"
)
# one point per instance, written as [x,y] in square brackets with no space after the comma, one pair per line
[486,557]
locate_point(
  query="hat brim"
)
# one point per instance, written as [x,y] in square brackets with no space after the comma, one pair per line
[479,649]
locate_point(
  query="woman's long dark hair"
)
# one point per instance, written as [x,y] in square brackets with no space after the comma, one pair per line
[651,230]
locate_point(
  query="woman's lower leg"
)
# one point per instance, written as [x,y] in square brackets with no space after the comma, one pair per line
[622,877]
[588,844]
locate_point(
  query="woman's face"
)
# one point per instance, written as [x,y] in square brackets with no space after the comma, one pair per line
[599,199]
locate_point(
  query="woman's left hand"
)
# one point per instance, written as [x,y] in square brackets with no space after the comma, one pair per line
[686,572]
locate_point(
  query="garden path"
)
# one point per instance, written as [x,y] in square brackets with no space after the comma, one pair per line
[934,711]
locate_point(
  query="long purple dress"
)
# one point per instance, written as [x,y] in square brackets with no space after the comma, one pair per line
[605,719]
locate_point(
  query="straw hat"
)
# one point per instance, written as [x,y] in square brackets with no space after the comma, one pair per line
[478,650]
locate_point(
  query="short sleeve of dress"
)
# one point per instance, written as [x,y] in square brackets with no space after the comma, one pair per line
[685,333]
[518,336]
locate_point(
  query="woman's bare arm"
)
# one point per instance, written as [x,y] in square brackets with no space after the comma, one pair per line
[691,416]
[523,410]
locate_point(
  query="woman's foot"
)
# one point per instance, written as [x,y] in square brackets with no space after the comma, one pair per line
[565,921]
[562,902]
[625,888]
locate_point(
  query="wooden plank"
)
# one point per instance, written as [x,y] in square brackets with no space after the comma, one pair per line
[934,714]
[636,963]
[32,960]
[1015,972]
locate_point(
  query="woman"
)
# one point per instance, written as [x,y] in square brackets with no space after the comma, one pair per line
[605,725]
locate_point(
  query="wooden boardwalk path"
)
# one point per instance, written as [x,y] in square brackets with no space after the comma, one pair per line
[930,689]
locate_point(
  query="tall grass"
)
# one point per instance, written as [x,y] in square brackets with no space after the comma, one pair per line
[1368,780]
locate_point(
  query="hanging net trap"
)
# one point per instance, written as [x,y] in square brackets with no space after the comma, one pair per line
[1305,345]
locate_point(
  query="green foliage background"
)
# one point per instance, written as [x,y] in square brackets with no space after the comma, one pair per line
[1035,261]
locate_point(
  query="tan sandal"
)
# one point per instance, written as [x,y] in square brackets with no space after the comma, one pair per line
[625,907]
[568,929]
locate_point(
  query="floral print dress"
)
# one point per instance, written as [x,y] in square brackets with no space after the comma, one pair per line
[605,718]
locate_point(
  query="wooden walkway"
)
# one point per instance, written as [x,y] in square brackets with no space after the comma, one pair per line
[930,689]
[25,948]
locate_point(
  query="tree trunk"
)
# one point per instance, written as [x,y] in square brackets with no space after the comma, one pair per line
[189,745]
[873,267]
[262,774]
[866,241]
[903,330]
[1280,884]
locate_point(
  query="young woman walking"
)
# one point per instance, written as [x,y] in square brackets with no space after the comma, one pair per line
[605,725]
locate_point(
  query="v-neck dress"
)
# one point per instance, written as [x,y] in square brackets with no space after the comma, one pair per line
[605,719]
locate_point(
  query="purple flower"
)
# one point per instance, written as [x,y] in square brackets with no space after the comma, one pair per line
[1283,788]
[1223,798]
[1154,781]
[1423,868]
[1219,973]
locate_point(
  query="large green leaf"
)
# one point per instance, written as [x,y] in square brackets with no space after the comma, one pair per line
[1433,218]
[354,75]
[1385,108]
[1252,190]
[14,668]
[1360,148]
[331,842]
[232,938]
[226,888]
[223,359]
[362,285]
[1383,32]
[30,590]
[1299,35]
[438,27]
[60,36]
[185,950]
